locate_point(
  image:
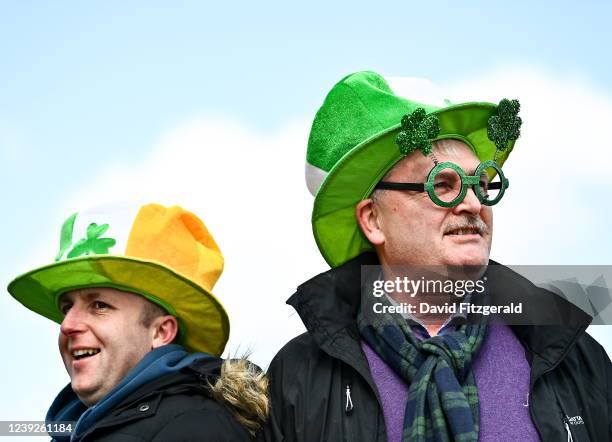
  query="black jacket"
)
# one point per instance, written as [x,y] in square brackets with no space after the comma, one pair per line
[176,407]
[315,374]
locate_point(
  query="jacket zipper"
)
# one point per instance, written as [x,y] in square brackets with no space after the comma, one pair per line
[348,404]
[348,410]
[569,431]
[565,419]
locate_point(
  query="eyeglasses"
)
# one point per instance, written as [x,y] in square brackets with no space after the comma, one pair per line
[447,184]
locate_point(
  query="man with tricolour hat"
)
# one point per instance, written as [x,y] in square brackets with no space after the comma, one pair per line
[141,332]
[402,186]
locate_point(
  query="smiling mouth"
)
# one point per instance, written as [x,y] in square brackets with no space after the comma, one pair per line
[464,231]
[85,353]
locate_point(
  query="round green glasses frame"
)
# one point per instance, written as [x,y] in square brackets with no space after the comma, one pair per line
[447,184]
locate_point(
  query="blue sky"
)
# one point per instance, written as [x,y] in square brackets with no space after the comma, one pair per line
[90,88]
[85,83]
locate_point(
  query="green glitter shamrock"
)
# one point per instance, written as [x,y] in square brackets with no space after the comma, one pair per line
[418,131]
[93,244]
[506,125]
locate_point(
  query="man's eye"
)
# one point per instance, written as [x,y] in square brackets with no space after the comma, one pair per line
[442,185]
[442,188]
[99,305]
[65,308]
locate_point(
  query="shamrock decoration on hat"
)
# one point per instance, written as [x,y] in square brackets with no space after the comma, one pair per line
[506,125]
[418,129]
[93,244]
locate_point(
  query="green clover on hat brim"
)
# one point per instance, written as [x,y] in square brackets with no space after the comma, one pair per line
[355,175]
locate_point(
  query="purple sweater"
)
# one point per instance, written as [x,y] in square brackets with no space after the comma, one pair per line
[502,378]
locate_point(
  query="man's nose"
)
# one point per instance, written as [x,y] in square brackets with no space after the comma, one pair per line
[470,203]
[74,322]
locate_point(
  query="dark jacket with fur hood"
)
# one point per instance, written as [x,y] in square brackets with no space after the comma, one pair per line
[176,407]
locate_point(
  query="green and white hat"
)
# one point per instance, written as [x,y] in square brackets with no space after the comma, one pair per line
[165,254]
[352,145]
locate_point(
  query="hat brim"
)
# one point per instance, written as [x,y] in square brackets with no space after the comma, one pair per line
[354,177]
[203,322]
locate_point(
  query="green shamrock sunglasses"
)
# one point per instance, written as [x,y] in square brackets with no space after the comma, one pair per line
[447,184]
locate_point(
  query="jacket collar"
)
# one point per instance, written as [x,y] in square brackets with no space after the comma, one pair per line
[144,401]
[329,302]
[328,305]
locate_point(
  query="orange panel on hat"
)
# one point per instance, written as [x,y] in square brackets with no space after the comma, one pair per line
[177,239]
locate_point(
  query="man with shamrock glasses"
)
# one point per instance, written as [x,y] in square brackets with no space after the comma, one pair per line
[404,184]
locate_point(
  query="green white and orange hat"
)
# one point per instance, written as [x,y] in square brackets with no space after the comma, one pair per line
[353,144]
[165,254]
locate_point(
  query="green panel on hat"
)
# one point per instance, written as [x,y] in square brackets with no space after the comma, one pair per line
[358,107]
[353,137]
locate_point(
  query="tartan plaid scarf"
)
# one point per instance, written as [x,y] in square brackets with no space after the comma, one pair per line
[442,395]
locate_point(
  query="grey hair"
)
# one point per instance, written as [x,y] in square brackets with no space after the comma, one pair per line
[446,146]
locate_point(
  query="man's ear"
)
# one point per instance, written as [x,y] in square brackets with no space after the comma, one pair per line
[165,329]
[368,214]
